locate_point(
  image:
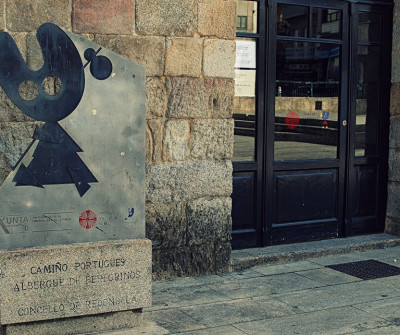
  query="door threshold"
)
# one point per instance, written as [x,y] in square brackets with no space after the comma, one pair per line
[247,258]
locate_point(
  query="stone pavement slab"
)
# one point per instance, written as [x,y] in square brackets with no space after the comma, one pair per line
[302,297]
[333,321]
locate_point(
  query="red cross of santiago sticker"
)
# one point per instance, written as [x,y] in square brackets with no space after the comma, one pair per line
[87,219]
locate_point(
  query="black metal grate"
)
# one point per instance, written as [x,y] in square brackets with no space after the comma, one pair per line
[369,269]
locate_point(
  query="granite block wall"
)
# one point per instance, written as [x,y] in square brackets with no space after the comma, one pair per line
[188,49]
[393,203]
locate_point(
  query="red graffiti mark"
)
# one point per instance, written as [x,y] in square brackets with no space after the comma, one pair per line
[87,219]
[292,120]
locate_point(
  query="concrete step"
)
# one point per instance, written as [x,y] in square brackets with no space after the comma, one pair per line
[247,258]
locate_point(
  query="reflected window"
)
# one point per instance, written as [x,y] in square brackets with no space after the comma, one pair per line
[292,21]
[307,102]
[247,16]
[327,23]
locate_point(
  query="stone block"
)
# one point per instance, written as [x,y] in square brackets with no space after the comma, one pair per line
[218,19]
[395,66]
[14,140]
[181,181]
[156,94]
[156,131]
[80,325]
[396,31]
[9,112]
[34,56]
[2,21]
[394,135]
[394,165]
[209,220]
[103,16]
[176,140]
[212,139]
[395,99]
[27,16]
[187,98]
[392,226]
[183,57]
[222,92]
[393,201]
[199,98]
[183,262]
[219,58]
[223,257]
[64,281]
[148,51]
[166,225]
[166,18]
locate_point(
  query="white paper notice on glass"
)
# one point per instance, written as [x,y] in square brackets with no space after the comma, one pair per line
[245,83]
[245,54]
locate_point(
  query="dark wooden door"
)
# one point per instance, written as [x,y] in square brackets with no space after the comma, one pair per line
[318,135]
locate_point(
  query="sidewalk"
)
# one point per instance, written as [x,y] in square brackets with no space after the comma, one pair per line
[302,297]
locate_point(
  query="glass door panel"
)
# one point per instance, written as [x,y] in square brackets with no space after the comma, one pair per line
[307,102]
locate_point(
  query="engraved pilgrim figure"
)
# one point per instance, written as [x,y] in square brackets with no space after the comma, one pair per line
[55,159]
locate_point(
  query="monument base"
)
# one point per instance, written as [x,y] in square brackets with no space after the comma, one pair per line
[79,325]
[75,289]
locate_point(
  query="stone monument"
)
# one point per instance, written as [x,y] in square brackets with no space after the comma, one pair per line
[73,256]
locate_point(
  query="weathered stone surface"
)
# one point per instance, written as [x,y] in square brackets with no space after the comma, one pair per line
[149,145]
[161,17]
[395,66]
[394,165]
[2,21]
[394,136]
[395,99]
[14,140]
[218,18]
[393,201]
[176,139]
[209,220]
[156,130]
[221,98]
[166,225]
[392,226]
[199,98]
[74,280]
[212,139]
[180,181]
[219,58]
[184,261]
[103,16]
[9,112]
[34,56]
[187,98]
[80,325]
[223,257]
[396,30]
[146,50]
[28,16]
[183,57]
[156,93]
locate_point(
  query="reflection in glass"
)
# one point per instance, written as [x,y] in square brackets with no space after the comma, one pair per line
[246,19]
[326,23]
[369,27]
[367,103]
[307,102]
[244,108]
[292,21]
